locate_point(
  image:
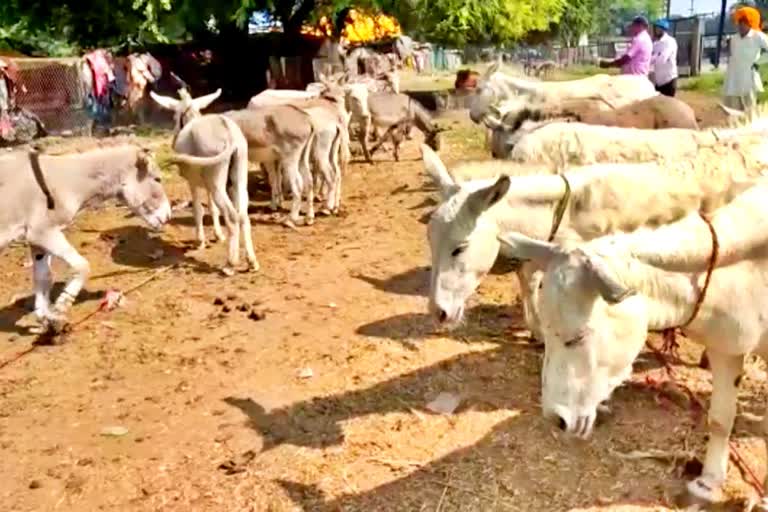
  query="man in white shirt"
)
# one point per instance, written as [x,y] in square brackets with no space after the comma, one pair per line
[742,80]
[664,59]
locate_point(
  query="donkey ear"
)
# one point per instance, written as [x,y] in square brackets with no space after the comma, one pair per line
[731,112]
[204,101]
[607,283]
[144,159]
[493,68]
[493,122]
[437,171]
[480,200]
[166,102]
[523,248]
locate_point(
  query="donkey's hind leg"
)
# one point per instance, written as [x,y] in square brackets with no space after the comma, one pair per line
[215,214]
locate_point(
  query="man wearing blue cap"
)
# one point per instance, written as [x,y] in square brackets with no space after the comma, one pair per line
[664,59]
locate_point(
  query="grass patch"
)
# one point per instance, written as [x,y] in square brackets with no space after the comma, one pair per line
[708,83]
[467,141]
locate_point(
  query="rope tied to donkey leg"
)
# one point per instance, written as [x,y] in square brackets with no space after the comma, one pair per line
[670,335]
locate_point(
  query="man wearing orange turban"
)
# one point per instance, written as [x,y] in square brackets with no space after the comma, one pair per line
[742,80]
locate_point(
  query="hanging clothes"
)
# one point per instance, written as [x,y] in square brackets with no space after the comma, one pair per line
[101,68]
[98,100]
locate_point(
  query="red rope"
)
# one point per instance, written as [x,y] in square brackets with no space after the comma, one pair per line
[670,334]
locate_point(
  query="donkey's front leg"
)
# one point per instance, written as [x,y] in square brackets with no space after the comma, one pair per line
[529,289]
[55,243]
[42,280]
[762,506]
[726,370]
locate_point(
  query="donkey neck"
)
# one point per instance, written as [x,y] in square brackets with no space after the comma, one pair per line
[530,207]
[86,179]
[531,219]
[421,118]
[670,296]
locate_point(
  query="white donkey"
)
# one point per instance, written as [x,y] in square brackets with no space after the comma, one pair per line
[210,149]
[598,303]
[613,90]
[43,194]
[600,199]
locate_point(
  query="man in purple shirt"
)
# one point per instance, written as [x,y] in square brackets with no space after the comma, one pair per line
[637,59]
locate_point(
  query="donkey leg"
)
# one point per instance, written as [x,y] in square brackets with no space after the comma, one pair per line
[43,280]
[55,243]
[215,214]
[275,185]
[726,370]
[291,167]
[529,289]
[309,192]
[305,171]
[197,210]
[366,128]
[222,201]
[241,205]
[763,504]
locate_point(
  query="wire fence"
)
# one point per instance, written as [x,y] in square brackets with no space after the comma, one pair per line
[53,90]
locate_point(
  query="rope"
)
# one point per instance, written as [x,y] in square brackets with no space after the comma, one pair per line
[37,171]
[560,209]
[669,335]
[46,338]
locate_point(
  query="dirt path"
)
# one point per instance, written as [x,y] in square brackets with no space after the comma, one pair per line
[320,405]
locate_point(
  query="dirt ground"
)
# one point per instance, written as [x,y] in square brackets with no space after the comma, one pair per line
[304,386]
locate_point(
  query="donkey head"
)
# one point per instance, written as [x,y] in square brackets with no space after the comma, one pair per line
[186,108]
[141,189]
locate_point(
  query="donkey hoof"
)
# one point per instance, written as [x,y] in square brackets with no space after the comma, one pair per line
[228,271]
[53,324]
[254,266]
[700,492]
[309,221]
[290,224]
[326,212]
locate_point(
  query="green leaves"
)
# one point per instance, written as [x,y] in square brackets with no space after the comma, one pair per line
[460,22]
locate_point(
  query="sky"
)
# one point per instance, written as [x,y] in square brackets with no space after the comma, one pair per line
[683,7]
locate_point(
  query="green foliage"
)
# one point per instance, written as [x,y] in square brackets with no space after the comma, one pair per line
[460,22]
[602,17]
[56,27]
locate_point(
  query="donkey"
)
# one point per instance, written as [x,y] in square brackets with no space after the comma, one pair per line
[598,303]
[598,200]
[330,149]
[44,193]
[209,149]
[396,113]
[276,136]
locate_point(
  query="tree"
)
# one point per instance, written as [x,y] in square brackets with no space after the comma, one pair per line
[602,17]
[461,22]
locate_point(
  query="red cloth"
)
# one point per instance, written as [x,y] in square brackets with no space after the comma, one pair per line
[102,71]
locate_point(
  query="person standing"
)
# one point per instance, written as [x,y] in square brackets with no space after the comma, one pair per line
[742,80]
[664,59]
[637,59]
